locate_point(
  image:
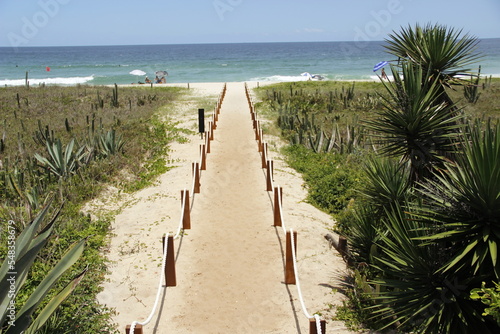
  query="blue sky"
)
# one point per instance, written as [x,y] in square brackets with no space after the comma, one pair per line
[113,22]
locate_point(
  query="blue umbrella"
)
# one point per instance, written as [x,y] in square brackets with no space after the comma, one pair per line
[380,65]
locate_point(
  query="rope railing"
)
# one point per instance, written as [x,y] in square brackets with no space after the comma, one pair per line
[168,260]
[316,325]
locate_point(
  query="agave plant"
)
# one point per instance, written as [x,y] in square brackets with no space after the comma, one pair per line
[15,269]
[413,125]
[442,52]
[110,143]
[62,162]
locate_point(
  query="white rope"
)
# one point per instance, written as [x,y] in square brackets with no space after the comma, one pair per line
[281,211]
[297,282]
[162,277]
[318,324]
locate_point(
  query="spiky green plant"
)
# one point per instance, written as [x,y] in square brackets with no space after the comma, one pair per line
[387,184]
[416,295]
[22,253]
[443,52]
[110,143]
[62,162]
[466,202]
[413,126]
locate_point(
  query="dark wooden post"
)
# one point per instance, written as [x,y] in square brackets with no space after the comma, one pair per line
[203,157]
[137,329]
[186,215]
[289,270]
[196,176]
[207,141]
[264,155]
[313,329]
[269,175]
[170,278]
[211,130]
[278,200]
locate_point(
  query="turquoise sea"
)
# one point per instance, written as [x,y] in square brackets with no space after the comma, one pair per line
[104,65]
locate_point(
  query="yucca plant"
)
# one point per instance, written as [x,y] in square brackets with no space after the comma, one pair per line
[416,295]
[15,269]
[387,184]
[443,52]
[363,233]
[413,126]
[465,201]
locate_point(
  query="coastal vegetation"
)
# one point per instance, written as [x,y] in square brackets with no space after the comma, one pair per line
[408,167]
[59,148]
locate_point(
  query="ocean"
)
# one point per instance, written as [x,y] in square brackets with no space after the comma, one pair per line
[106,65]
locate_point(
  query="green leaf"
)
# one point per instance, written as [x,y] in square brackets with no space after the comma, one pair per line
[54,303]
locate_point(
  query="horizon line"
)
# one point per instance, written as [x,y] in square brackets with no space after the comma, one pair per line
[202,43]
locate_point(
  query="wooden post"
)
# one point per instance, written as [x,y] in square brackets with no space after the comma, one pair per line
[313,329]
[260,140]
[289,271]
[196,176]
[278,200]
[269,175]
[186,215]
[170,279]
[211,131]
[137,329]
[264,155]
[207,141]
[203,157]
[257,131]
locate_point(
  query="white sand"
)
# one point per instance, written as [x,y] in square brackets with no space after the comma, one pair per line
[229,266]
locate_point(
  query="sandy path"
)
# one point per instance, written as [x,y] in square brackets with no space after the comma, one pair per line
[230,264]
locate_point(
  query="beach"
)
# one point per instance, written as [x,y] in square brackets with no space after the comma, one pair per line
[229,265]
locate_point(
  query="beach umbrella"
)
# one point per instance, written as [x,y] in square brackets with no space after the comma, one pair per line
[161,73]
[380,65]
[138,73]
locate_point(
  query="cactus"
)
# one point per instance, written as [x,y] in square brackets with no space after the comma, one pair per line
[66,124]
[471,93]
[43,136]
[114,99]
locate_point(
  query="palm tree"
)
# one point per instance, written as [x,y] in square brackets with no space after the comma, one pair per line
[442,52]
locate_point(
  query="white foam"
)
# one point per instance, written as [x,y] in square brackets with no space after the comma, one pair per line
[47,81]
[281,78]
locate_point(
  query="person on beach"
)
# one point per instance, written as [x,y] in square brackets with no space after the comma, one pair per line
[384,76]
[147,80]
